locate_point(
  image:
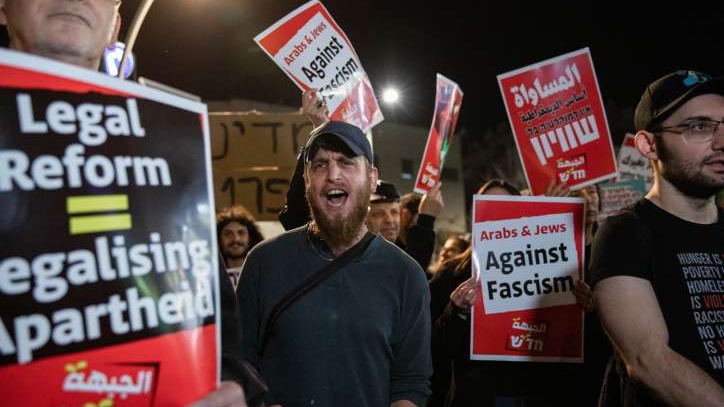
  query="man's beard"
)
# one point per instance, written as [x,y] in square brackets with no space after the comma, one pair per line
[229,254]
[687,176]
[341,231]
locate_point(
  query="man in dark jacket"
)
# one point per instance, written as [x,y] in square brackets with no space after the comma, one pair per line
[417,222]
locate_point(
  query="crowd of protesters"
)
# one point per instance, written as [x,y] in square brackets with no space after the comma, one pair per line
[605,376]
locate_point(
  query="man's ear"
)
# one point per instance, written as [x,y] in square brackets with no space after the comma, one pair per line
[644,142]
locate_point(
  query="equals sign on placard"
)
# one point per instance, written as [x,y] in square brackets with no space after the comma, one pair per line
[89,214]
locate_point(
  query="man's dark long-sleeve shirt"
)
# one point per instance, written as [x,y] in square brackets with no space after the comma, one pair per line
[361,338]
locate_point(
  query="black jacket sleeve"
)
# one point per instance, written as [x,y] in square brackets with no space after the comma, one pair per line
[421,240]
[296,211]
[448,330]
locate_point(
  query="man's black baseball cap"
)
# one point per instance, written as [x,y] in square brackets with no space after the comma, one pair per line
[385,192]
[662,97]
[351,135]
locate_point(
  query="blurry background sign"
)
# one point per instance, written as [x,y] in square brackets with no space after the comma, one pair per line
[243,141]
[253,158]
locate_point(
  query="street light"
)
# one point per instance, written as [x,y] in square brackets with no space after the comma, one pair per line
[390,96]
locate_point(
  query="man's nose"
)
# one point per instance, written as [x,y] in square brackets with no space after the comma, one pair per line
[333,171]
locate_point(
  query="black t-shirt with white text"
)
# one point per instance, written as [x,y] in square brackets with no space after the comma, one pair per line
[684,262]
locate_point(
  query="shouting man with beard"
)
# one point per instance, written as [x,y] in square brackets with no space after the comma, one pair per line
[658,266]
[362,336]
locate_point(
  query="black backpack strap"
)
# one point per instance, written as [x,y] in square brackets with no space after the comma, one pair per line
[309,284]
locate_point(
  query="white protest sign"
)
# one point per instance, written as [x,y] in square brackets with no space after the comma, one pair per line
[527,263]
[315,53]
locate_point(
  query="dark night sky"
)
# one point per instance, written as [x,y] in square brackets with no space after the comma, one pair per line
[206,47]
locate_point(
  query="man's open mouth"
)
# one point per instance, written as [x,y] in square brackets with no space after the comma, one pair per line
[717,164]
[336,197]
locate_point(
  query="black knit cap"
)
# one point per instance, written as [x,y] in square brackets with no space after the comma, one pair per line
[662,97]
[385,192]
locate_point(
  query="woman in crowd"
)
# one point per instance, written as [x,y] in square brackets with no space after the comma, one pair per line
[459,382]
[454,245]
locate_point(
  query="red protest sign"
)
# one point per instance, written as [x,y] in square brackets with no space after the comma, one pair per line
[448,98]
[109,288]
[559,124]
[528,253]
[313,51]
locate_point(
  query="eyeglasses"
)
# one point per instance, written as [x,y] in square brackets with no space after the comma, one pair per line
[694,131]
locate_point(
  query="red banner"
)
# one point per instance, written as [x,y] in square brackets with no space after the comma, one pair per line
[528,253]
[145,373]
[308,45]
[108,265]
[448,98]
[559,124]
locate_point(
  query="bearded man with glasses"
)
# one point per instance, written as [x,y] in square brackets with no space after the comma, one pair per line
[658,266]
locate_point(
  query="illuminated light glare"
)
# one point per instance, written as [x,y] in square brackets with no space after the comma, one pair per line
[390,96]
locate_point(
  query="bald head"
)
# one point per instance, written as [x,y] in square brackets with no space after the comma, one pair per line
[72,31]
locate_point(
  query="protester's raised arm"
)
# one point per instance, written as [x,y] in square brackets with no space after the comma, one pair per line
[314,108]
[641,338]
[432,202]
